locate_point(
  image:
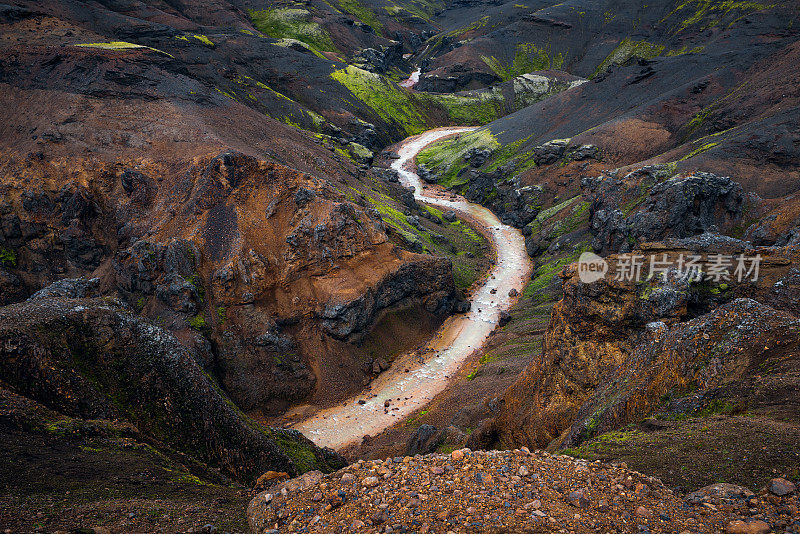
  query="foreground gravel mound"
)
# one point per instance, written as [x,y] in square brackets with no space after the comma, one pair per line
[510,491]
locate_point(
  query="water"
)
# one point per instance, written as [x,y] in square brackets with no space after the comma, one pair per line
[412,80]
[457,338]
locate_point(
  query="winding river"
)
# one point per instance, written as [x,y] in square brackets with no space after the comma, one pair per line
[457,338]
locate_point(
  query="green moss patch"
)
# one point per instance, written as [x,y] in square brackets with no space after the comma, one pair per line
[292,23]
[391,102]
[8,257]
[527,58]
[446,157]
[626,50]
[710,13]
[362,13]
[120,45]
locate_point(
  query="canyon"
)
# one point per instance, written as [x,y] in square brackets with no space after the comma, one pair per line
[320,266]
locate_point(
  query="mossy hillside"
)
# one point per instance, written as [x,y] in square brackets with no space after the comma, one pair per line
[109,368]
[545,277]
[543,286]
[414,113]
[446,157]
[362,13]
[466,248]
[389,101]
[287,42]
[292,23]
[474,109]
[699,121]
[404,11]
[705,14]
[626,50]
[602,444]
[576,215]
[527,58]
[483,24]
[699,150]
[720,446]
[265,99]
[63,467]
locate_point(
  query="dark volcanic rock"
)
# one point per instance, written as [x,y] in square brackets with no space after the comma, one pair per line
[92,359]
[550,152]
[516,206]
[419,443]
[677,207]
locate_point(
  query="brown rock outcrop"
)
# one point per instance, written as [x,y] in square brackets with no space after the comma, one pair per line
[614,350]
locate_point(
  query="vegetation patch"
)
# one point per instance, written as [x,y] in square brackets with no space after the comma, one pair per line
[545,275]
[527,58]
[121,45]
[446,157]
[599,446]
[362,13]
[8,257]
[292,23]
[626,50]
[697,151]
[713,12]
[391,102]
[198,322]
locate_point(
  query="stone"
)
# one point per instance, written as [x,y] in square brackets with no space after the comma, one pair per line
[513,292]
[504,319]
[643,512]
[457,455]
[370,482]
[270,478]
[550,152]
[781,487]
[577,499]
[749,527]
[423,440]
[348,478]
[449,216]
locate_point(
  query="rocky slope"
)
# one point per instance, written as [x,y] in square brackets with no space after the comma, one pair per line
[89,358]
[510,491]
[615,350]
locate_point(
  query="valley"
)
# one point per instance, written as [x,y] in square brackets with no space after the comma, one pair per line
[414,379]
[390,266]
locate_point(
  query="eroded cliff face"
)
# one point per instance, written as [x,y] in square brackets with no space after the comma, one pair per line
[616,350]
[247,261]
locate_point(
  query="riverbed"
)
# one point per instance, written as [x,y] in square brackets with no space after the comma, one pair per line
[414,379]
